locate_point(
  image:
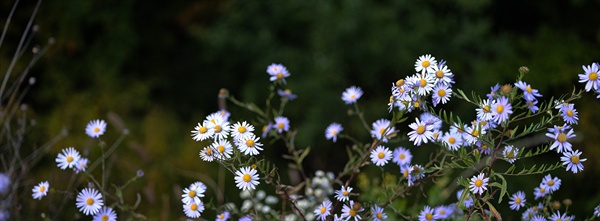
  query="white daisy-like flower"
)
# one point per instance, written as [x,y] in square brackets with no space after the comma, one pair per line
[277,72]
[423,83]
[441,93]
[558,217]
[401,156]
[540,192]
[453,140]
[421,133]
[427,214]
[40,190]
[425,64]
[282,124]
[246,178]
[552,184]
[332,131]
[323,210]
[352,94]
[484,112]
[202,132]
[352,211]
[249,145]
[89,201]
[243,129]
[517,200]
[590,77]
[381,155]
[81,165]
[510,153]
[195,190]
[478,184]
[573,161]
[95,128]
[207,154]
[343,194]
[381,131]
[378,214]
[68,158]
[105,214]
[472,133]
[222,148]
[443,75]
[194,208]
[219,125]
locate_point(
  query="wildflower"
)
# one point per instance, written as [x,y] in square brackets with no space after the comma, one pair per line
[501,109]
[468,201]
[323,210]
[195,190]
[223,216]
[343,194]
[223,148]
[224,114]
[442,212]
[68,158]
[590,77]
[81,165]
[573,161]
[558,217]
[381,155]
[441,93]
[401,156]
[540,192]
[332,131]
[425,64]
[421,132]
[278,72]
[352,211]
[569,113]
[219,125]
[510,153]
[552,184]
[453,140]
[528,93]
[517,200]
[427,214]
[483,148]
[406,171]
[352,94]
[381,131]
[193,208]
[89,201]
[430,119]
[560,138]
[531,105]
[207,154]
[538,218]
[249,145]
[246,218]
[378,214]
[597,211]
[246,178]
[40,190]
[478,184]
[442,74]
[202,132]
[282,124]
[471,135]
[417,171]
[105,214]
[243,129]
[493,90]
[287,94]
[529,213]
[95,128]
[266,129]
[423,83]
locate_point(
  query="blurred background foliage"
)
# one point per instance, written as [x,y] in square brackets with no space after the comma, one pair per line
[155,67]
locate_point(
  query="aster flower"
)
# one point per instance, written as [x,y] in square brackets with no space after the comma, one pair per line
[425,64]
[501,110]
[40,190]
[427,214]
[282,124]
[194,208]
[483,148]
[401,156]
[569,113]
[95,128]
[441,93]
[421,132]
[493,90]
[68,158]
[202,132]
[468,201]
[246,218]
[223,216]
[560,136]
[352,94]
[89,201]
[249,145]
[478,184]
[517,200]
[430,119]
[423,83]
[224,114]
[81,165]
[381,131]
[343,194]
[243,129]
[105,214]
[443,75]
[442,212]
[207,154]
[590,77]
[471,135]
[597,211]
[278,72]
[573,161]
[378,214]
[538,218]
[287,94]
[406,171]
[532,105]
[332,131]
[323,210]
[528,92]
[352,211]
[266,129]
[558,217]
[223,149]
[510,153]
[540,192]
[246,178]
[552,184]
[195,190]
[453,140]
[219,125]
[381,155]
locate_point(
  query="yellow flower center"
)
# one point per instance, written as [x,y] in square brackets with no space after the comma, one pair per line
[542,190]
[486,108]
[352,213]
[334,132]
[451,140]
[550,182]
[287,91]
[381,131]
[323,210]
[569,113]
[89,201]
[401,156]
[485,147]
[69,159]
[193,207]
[421,129]
[96,129]
[250,143]
[441,92]
[221,148]
[575,159]
[475,133]
[279,75]
[280,125]
[380,155]
[247,178]
[478,183]
[42,189]
[562,137]
[425,63]
[405,173]
[345,193]
[104,217]
[242,129]
[379,216]
[429,216]
[192,193]
[208,151]
[500,108]
[439,74]
[528,89]
[510,154]
[442,212]
[203,129]
[353,96]
[218,128]
[518,200]
[222,216]
[593,76]
[423,82]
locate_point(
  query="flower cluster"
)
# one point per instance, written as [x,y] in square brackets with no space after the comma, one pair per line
[191,198]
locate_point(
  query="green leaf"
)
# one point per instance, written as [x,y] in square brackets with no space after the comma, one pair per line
[494,211]
[502,188]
